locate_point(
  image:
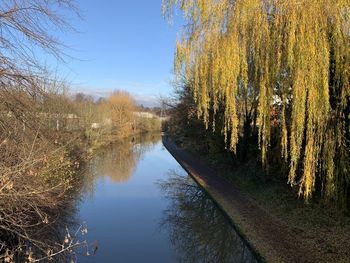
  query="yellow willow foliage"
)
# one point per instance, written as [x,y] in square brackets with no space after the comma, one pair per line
[279,53]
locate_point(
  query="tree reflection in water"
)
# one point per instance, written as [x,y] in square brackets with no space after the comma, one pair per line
[198,229]
[118,160]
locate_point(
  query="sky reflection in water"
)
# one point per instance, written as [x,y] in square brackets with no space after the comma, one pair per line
[140,206]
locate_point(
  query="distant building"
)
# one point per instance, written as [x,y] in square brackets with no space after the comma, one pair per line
[143,114]
[162,119]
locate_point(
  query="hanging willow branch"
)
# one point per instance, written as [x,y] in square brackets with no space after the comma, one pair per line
[291,55]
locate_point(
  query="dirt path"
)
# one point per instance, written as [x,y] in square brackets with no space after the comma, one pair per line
[268,237]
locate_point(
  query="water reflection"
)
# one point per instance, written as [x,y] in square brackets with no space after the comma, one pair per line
[126,209]
[118,161]
[122,213]
[198,229]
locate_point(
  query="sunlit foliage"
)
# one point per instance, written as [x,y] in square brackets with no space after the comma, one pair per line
[292,56]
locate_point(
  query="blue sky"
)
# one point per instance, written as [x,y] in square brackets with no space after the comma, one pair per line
[121,44]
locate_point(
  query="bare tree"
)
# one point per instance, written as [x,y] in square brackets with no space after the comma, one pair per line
[121,106]
[25,27]
[26,30]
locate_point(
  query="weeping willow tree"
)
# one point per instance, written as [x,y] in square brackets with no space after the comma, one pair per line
[263,55]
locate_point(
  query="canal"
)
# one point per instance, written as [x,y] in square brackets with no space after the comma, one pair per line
[139,205]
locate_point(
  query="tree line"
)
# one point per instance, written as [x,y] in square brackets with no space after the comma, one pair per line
[45,133]
[274,74]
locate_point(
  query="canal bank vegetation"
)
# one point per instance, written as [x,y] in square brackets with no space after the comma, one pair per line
[45,134]
[36,172]
[262,75]
[44,141]
[263,96]
[111,119]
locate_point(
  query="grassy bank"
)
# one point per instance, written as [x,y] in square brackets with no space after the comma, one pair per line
[315,226]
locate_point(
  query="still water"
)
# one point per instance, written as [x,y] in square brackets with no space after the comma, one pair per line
[141,206]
